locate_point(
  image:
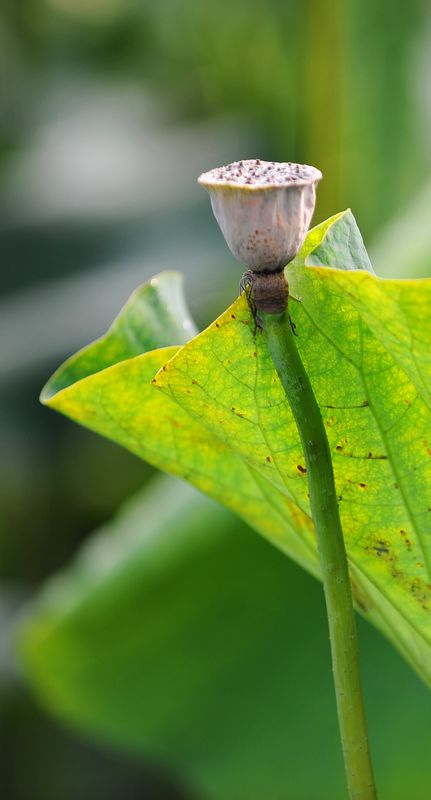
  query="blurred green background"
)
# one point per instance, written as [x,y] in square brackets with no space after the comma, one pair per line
[109,110]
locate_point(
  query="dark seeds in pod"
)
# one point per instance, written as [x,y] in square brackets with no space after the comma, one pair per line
[262,173]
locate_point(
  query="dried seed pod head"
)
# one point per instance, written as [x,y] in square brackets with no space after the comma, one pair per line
[264,209]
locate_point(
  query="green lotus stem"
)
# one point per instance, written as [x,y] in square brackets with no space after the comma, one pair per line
[336,583]
[264,210]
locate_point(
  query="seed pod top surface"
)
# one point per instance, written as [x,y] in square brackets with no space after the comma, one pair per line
[264,209]
[256,174]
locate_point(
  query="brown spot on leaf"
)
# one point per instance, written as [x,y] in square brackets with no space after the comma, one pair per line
[381,549]
[301,469]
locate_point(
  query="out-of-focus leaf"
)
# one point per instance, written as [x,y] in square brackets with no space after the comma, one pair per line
[406,240]
[222,422]
[179,635]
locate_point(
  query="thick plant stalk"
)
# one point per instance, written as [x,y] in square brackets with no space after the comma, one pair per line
[264,209]
[342,626]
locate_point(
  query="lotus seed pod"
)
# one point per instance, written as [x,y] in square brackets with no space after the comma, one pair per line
[263,208]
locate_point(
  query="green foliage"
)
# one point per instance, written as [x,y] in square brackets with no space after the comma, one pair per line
[178,635]
[221,422]
[295,73]
[154,316]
